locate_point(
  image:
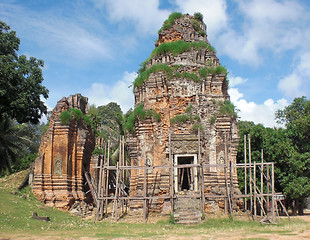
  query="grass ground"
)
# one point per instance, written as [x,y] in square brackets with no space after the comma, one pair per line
[16,222]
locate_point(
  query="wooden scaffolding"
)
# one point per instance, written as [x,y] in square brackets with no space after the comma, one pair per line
[259,197]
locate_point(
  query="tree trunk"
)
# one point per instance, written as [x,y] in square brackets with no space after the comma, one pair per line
[294,209]
[300,207]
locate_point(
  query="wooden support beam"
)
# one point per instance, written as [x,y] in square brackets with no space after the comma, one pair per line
[171,177]
[273,193]
[145,193]
[255,193]
[262,180]
[250,175]
[107,179]
[245,173]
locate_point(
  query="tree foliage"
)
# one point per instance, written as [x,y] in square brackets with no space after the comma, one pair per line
[288,148]
[21,79]
[19,144]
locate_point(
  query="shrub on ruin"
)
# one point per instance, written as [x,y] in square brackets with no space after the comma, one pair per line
[179,119]
[198,16]
[143,76]
[179,47]
[228,108]
[196,25]
[196,127]
[77,113]
[213,119]
[65,117]
[170,21]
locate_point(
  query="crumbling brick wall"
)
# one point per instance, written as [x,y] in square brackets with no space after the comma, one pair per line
[64,150]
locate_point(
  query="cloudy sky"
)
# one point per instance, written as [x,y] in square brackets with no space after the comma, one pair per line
[94,47]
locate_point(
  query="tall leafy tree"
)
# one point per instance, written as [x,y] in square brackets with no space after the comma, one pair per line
[287,147]
[8,144]
[296,179]
[21,79]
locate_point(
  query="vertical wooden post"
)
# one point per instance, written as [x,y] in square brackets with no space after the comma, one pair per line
[144,193]
[250,175]
[202,176]
[262,182]
[115,205]
[273,193]
[268,188]
[99,189]
[255,192]
[245,175]
[120,161]
[107,180]
[225,173]
[171,176]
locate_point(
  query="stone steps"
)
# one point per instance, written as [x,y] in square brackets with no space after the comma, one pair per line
[187,210]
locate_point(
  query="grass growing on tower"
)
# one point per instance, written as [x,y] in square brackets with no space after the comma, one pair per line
[142,114]
[179,47]
[170,21]
[228,108]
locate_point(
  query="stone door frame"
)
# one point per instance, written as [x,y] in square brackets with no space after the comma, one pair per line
[195,171]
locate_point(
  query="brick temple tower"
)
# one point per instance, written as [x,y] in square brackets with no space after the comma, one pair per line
[64,151]
[183,115]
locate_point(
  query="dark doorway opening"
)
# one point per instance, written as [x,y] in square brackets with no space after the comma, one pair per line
[185,178]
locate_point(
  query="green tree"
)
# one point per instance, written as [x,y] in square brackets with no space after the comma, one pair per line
[287,147]
[296,118]
[19,144]
[296,178]
[20,81]
[9,144]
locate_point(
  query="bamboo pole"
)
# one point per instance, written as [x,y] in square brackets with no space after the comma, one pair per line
[250,175]
[115,204]
[120,160]
[225,174]
[255,192]
[107,179]
[245,174]
[262,180]
[202,176]
[268,188]
[171,176]
[144,194]
[272,189]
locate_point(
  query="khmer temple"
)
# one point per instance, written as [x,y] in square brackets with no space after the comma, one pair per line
[183,83]
[181,144]
[65,150]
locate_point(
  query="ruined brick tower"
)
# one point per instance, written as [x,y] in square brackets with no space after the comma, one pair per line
[64,150]
[183,115]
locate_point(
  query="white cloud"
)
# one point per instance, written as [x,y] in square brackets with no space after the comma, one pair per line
[234,81]
[298,82]
[268,25]
[101,94]
[146,15]
[258,113]
[290,85]
[277,11]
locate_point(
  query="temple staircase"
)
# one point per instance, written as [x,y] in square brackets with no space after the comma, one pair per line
[187,209]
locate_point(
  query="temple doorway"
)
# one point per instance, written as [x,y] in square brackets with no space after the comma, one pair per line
[185,178]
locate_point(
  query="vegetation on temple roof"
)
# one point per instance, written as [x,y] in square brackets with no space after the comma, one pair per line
[172,72]
[139,113]
[188,116]
[179,47]
[170,21]
[66,116]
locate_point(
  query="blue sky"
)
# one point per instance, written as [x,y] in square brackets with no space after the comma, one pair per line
[94,47]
